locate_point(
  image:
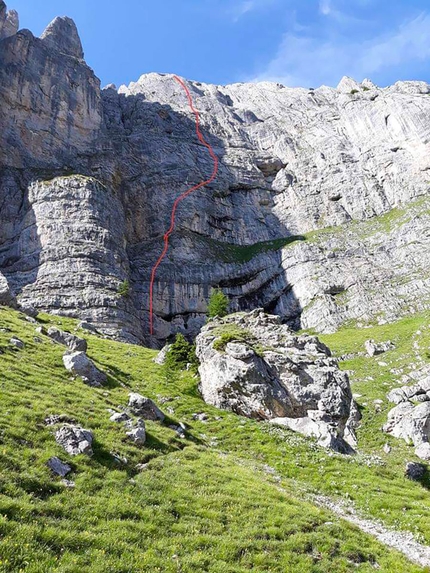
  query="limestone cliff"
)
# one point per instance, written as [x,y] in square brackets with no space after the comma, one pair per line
[88,178]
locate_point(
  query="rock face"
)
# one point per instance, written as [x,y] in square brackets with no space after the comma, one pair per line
[6,297]
[269,373]
[9,22]
[410,419]
[90,162]
[62,35]
[80,365]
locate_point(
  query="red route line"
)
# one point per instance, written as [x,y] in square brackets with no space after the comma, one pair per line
[179,199]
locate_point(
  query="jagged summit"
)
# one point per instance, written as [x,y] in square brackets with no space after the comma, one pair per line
[9,21]
[62,35]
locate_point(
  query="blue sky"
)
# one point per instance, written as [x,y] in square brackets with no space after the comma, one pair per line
[296,42]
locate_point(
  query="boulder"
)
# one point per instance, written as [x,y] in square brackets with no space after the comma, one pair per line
[73,342]
[277,375]
[80,365]
[119,417]
[409,422]
[28,309]
[144,407]
[88,326]
[75,440]
[415,471]
[58,467]
[374,348]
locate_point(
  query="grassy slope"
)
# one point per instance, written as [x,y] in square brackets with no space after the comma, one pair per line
[203,504]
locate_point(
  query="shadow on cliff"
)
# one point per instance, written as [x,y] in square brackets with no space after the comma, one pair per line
[20,245]
[150,155]
[164,158]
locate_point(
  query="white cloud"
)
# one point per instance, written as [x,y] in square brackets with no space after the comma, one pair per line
[239,9]
[325,7]
[308,60]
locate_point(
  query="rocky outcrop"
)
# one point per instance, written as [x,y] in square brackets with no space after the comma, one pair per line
[410,418]
[256,367]
[106,166]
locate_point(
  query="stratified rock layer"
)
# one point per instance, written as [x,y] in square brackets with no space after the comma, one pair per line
[256,367]
[88,178]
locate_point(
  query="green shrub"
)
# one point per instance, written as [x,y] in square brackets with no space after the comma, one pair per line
[366,89]
[124,288]
[352,92]
[218,303]
[180,354]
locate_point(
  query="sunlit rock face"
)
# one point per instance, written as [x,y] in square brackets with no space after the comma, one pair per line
[292,161]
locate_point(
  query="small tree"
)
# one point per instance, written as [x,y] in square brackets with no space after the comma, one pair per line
[179,354]
[218,303]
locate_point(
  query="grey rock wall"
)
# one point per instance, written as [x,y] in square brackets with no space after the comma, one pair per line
[88,178]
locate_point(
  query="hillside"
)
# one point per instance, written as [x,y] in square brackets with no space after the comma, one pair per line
[233,495]
[285,425]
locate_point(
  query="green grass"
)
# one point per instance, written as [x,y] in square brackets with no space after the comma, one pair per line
[230,333]
[231,253]
[202,504]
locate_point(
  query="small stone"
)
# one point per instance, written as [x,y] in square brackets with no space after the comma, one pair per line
[387,448]
[58,467]
[67,483]
[141,467]
[119,417]
[58,418]
[201,417]
[137,436]
[17,343]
